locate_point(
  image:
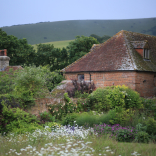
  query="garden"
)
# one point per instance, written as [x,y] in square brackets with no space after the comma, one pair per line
[92,121]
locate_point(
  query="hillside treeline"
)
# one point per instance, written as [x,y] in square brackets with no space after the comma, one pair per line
[22,53]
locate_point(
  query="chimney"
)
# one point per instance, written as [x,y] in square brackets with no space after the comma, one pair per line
[4,59]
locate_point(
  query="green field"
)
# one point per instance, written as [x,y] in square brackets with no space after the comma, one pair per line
[44,32]
[57,44]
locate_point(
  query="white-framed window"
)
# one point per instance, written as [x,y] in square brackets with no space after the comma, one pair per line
[146,53]
[81,77]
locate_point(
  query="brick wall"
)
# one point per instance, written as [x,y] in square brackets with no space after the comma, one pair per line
[132,79]
[145,84]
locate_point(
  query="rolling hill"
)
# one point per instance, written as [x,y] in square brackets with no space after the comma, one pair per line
[67,30]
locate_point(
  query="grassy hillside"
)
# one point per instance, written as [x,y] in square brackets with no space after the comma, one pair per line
[57,44]
[67,30]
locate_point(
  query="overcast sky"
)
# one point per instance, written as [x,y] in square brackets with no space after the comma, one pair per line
[14,12]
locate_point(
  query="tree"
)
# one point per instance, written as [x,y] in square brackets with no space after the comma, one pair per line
[19,51]
[100,39]
[79,47]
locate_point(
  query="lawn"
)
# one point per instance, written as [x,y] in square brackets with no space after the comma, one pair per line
[57,44]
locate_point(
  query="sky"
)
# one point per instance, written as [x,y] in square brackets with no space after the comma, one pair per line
[15,12]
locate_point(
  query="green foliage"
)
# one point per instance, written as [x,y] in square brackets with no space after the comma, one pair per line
[69,119]
[78,94]
[52,125]
[46,116]
[81,105]
[131,98]
[121,116]
[60,110]
[149,106]
[6,81]
[151,126]
[125,97]
[100,39]
[125,135]
[98,100]
[142,137]
[87,119]
[55,57]
[17,120]
[29,83]
[19,51]
[79,47]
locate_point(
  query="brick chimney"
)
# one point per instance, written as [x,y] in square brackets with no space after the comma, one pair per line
[4,59]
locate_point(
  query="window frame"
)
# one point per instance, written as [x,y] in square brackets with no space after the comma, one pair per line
[146,53]
[80,77]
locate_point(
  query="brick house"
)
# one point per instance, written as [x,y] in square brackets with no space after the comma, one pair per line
[126,58]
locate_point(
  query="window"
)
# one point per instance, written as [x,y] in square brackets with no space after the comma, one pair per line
[80,77]
[146,53]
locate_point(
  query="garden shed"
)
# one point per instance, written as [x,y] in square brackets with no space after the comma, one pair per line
[127,58]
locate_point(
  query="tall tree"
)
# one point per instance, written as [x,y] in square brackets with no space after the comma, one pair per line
[19,51]
[79,47]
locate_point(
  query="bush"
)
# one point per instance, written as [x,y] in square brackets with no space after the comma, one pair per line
[151,126]
[142,137]
[131,98]
[7,81]
[121,116]
[69,119]
[13,119]
[87,119]
[60,110]
[149,106]
[46,116]
[82,87]
[125,135]
[52,126]
[98,100]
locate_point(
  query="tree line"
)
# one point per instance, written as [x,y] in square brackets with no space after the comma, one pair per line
[22,53]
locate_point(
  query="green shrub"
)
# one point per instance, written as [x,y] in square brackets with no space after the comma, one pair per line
[69,119]
[52,125]
[15,118]
[60,110]
[125,97]
[78,94]
[142,137]
[121,116]
[125,135]
[151,126]
[98,100]
[46,116]
[105,118]
[7,81]
[116,97]
[149,106]
[87,119]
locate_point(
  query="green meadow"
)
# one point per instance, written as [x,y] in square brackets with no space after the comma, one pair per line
[57,44]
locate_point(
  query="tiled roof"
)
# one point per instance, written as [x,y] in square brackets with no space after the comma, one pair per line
[118,53]
[139,44]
